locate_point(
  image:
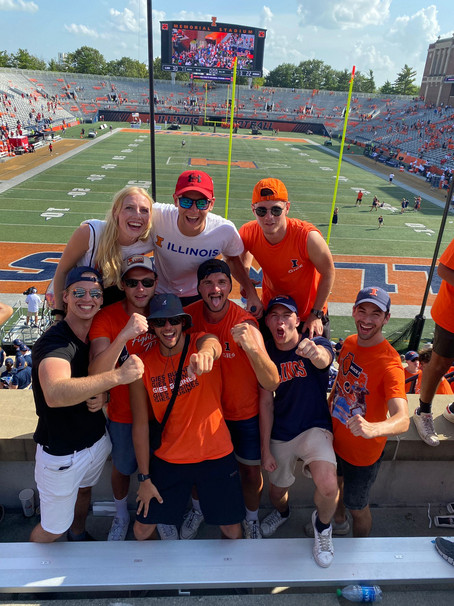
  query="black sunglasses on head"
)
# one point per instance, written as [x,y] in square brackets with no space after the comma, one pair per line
[161,322]
[276,211]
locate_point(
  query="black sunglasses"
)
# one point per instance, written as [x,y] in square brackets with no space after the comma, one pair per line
[79,293]
[146,282]
[276,211]
[161,322]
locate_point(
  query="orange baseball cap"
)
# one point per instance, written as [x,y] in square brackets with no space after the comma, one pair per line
[269,189]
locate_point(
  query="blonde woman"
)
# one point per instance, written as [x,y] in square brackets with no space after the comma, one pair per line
[104,244]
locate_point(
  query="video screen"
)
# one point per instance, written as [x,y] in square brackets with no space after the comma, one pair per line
[205,49]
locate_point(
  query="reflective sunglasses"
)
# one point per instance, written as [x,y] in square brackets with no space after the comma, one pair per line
[146,282]
[276,211]
[79,293]
[161,322]
[202,204]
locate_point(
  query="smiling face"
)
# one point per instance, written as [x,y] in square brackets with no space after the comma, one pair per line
[138,297]
[283,325]
[215,290]
[191,221]
[133,218]
[85,307]
[169,337]
[369,320]
[274,227]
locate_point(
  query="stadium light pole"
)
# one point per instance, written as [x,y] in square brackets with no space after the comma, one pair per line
[151,98]
[418,322]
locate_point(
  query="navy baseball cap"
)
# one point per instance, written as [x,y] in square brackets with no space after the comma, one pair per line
[376,295]
[411,356]
[283,300]
[213,266]
[20,362]
[9,361]
[23,347]
[18,342]
[77,275]
[167,306]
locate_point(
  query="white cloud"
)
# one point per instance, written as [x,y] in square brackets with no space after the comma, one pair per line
[18,5]
[81,30]
[335,14]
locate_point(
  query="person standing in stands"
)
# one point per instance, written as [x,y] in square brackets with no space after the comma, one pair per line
[369,385]
[72,444]
[22,378]
[293,255]
[244,365]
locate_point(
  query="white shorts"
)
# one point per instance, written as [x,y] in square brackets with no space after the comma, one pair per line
[315,444]
[59,479]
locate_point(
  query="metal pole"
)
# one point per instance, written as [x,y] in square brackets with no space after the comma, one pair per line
[420,318]
[151,98]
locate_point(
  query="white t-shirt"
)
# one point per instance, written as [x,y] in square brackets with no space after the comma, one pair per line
[96,229]
[177,256]
[33,302]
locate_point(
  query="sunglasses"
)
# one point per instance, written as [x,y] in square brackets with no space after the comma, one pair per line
[161,322]
[276,211]
[79,293]
[146,282]
[202,204]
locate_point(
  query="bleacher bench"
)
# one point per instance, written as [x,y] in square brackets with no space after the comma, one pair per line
[203,564]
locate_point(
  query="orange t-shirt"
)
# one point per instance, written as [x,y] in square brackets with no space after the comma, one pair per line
[367,379]
[443,305]
[444,388]
[195,430]
[416,383]
[240,390]
[287,269]
[108,322]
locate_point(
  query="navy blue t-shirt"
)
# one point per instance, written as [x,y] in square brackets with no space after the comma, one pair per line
[22,378]
[300,400]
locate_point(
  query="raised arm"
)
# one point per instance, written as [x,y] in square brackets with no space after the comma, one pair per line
[266,419]
[320,256]
[61,390]
[209,349]
[397,422]
[249,338]
[75,249]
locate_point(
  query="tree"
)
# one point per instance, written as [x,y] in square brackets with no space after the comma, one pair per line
[128,68]
[387,89]
[55,66]
[24,60]
[5,59]
[343,80]
[404,83]
[86,60]
[158,73]
[311,73]
[283,75]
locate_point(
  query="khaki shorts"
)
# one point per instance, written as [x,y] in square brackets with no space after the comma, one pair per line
[315,444]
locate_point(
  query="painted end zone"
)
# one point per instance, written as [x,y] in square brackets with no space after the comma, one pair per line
[23,265]
[207,162]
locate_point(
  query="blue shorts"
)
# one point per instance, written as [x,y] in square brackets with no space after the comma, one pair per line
[218,485]
[123,455]
[357,482]
[245,436]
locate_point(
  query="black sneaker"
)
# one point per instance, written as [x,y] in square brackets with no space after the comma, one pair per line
[445,549]
[86,536]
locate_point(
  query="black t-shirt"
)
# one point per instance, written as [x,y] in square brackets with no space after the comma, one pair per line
[69,428]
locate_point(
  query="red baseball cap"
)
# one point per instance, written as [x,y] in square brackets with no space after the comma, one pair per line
[195,180]
[269,189]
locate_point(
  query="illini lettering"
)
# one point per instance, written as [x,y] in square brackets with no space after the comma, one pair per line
[290,370]
[194,252]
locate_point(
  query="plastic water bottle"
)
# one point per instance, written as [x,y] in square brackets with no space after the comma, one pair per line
[361,593]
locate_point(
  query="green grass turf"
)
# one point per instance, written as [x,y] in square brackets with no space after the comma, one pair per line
[308,171]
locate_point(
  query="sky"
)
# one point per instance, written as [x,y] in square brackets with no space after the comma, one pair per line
[381,35]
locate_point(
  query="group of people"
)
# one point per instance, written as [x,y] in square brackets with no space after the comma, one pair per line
[201,394]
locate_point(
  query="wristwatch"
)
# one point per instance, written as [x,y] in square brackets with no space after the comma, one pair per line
[142,477]
[318,313]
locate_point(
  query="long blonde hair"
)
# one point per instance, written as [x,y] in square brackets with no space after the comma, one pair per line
[109,257]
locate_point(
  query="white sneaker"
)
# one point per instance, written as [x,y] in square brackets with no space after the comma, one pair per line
[251,529]
[448,415]
[424,423]
[323,549]
[167,532]
[191,523]
[272,522]
[119,529]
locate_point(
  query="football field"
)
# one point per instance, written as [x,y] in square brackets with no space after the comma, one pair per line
[39,214]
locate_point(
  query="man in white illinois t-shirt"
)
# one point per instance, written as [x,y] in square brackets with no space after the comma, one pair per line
[186,233]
